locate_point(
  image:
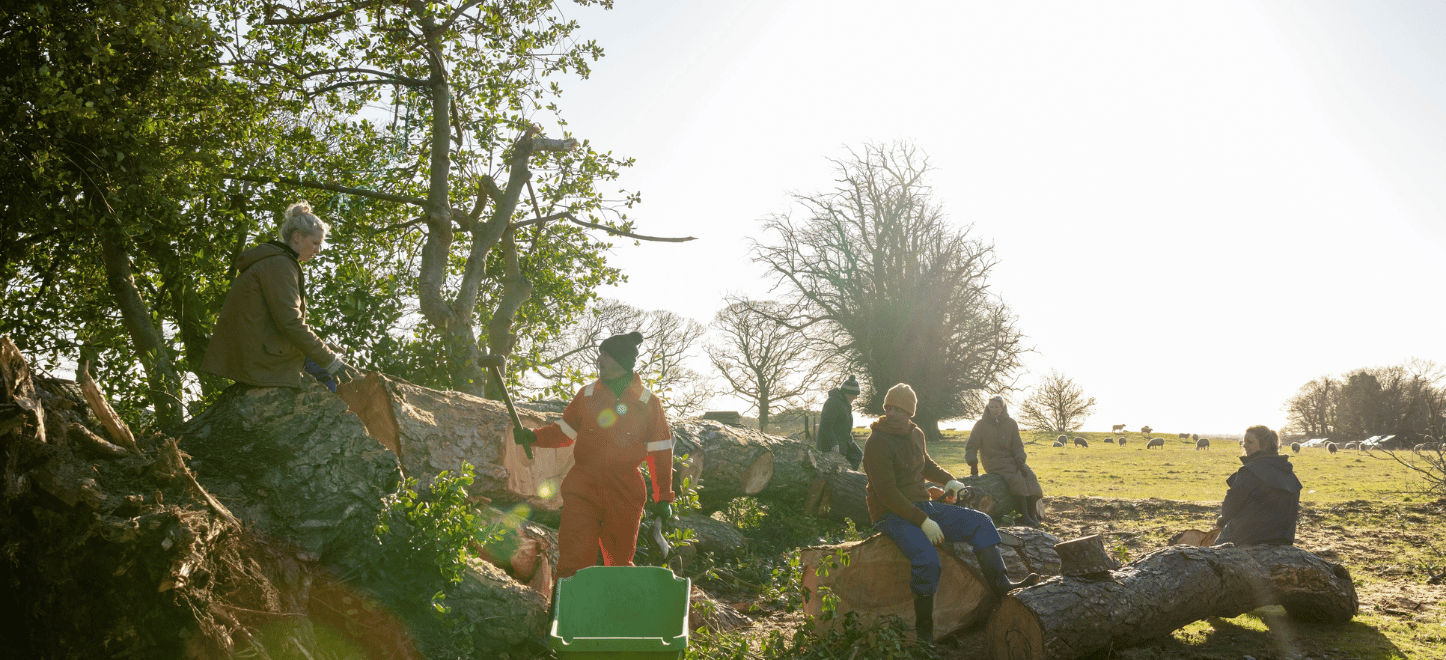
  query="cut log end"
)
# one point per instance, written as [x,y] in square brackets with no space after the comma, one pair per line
[1014,632]
[758,474]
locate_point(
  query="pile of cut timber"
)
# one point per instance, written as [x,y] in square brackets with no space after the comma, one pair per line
[1068,617]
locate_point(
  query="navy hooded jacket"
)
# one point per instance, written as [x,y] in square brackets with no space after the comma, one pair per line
[1263,502]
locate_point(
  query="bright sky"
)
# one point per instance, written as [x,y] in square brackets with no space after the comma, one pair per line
[1197,207]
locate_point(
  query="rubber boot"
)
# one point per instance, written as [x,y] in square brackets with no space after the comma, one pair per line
[924,619]
[1026,517]
[991,564]
[1032,502]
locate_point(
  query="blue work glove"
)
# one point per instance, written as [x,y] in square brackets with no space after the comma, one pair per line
[523,436]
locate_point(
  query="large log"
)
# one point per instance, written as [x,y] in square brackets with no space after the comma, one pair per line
[1068,617]
[736,462]
[875,583]
[839,495]
[432,431]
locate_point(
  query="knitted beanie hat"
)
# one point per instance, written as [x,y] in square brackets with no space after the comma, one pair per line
[623,348]
[850,386]
[902,396]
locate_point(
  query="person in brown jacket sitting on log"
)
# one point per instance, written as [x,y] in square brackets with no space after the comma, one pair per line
[996,442]
[261,336]
[897,464]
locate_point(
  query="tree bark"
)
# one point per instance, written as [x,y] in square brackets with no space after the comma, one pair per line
[1070,617]
[164,391]
[875,583]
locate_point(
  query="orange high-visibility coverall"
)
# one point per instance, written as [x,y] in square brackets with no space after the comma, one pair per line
[603,494]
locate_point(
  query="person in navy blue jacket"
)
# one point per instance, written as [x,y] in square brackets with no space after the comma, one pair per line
[1263,500]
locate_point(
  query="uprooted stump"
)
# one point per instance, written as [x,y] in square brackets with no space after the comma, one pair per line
[873,581]
[1068,617]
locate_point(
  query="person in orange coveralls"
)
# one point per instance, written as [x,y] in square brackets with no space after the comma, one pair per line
[616,424]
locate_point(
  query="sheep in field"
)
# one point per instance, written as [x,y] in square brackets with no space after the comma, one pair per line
[1062,439]
[1331,447]
[1059,443]
[1110,440]
[1195,437]
[1202,443]
[1184,435]
[1081,442]
[1122,442]
[1295,447]
[1145,430]
[1117,428]
[1157,442]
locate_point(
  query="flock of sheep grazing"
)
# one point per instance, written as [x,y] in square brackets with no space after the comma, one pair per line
[1204,443]
[1200,443]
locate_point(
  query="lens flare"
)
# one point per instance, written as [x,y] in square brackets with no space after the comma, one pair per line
[607,418]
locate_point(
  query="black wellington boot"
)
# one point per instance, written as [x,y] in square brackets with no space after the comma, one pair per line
[924,619]
[992,565]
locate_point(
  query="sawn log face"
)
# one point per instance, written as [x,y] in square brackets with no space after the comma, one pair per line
[1067,617]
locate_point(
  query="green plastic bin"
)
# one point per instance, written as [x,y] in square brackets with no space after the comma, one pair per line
[621,613]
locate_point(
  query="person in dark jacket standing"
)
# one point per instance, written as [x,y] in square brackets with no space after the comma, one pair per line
[897,463]
[995,440]
[1263,500]
[836,424]
[261,337]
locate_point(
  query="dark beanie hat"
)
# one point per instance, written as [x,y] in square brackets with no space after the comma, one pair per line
[623,348]
[850,386]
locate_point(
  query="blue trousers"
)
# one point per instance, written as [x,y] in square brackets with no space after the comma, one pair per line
[958,524]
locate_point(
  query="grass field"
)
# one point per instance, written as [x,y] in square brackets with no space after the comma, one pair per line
[1178,472]
[1360,510]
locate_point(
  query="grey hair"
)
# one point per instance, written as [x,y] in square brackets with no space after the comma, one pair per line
[300,219]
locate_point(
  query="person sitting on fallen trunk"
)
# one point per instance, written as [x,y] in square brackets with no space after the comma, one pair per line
[897,464]
[261,337]
[995,440]
[1263,500]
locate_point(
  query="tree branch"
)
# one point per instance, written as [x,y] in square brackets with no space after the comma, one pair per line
[583,223]
[318,18]
[348,190]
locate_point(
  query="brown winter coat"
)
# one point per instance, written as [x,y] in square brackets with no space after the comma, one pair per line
[261,336]
[996,444]
[897,463]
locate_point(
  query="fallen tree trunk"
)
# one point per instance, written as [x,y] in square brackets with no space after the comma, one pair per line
[736,462]
[875,582]
[1067,617]
[839,495]
[432,431]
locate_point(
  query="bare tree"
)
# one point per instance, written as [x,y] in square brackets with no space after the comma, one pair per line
[1312,411]
[670,341]
[762,360]
[1057,405]
[876,274]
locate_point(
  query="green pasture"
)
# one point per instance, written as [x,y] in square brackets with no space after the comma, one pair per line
[1179,472]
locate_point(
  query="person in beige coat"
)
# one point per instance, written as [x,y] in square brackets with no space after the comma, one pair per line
[261,337]
[995,441]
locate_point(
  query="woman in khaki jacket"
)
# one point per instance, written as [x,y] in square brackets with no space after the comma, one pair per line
[995,440]
[261,337]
